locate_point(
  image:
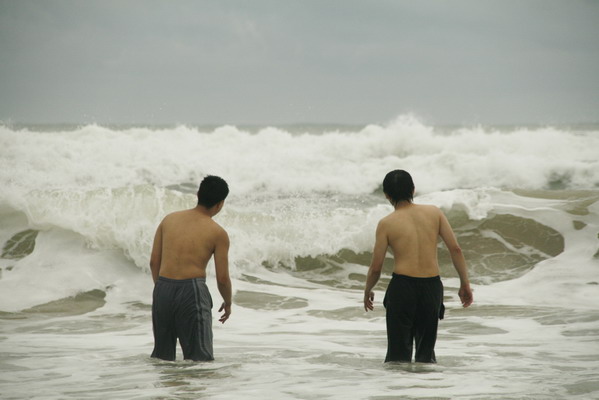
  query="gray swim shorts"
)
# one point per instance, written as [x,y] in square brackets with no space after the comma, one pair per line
[182,309]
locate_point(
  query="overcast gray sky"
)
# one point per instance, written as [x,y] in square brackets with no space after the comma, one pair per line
[275,62]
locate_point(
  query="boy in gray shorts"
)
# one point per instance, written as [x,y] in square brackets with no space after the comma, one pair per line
[184,243]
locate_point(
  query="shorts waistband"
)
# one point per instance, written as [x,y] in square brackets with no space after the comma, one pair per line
[416,279]
[181,281]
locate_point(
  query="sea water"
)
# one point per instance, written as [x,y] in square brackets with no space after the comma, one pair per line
[79,207]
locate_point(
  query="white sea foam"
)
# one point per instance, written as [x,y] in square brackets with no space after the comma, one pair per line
[278,161]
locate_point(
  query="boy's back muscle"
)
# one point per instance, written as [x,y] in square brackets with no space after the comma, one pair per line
[412,233]
[188,242]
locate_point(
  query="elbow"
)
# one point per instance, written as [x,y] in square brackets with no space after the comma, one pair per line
[223,281]
[376,266]
[375,270]
[455,250]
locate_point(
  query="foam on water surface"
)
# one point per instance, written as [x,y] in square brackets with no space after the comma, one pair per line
[275,160]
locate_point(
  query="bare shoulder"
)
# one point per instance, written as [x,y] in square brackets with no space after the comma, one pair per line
[387,220]
[167,219]
[429,209]
[389,223]
[176,214]
[220,235]
[218,230]
[172,217]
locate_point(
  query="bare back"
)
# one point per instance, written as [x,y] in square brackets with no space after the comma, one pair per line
[188,241]
[412,233]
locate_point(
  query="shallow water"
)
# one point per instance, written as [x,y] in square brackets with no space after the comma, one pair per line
[488,351]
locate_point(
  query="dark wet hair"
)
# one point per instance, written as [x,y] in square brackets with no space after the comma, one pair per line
[212,191]
[399,186]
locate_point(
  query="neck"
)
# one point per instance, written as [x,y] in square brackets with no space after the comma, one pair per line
[209,212]
[402,204]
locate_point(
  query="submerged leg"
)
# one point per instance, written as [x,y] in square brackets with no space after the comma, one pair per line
[163,322]
[400,305]
[194,321]
[427,320]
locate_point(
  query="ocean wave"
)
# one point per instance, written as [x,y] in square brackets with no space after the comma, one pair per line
[323,240]
[279,161]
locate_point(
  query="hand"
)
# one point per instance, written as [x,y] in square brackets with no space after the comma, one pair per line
[227,309]
[465,294]
[369,301]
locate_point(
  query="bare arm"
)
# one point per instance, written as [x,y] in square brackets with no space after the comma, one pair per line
[221,261]
[457,258]
[374,272]
[156,257]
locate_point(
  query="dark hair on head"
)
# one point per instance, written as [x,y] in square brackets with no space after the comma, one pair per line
[212,191]
[399,186]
